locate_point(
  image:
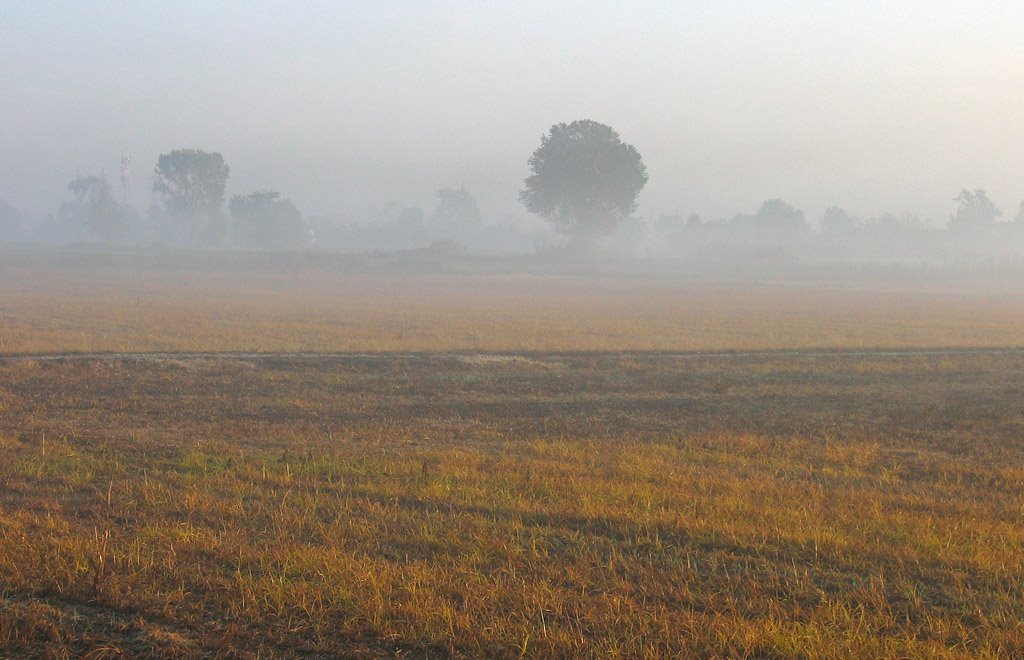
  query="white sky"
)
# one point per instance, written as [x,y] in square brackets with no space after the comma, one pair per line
[873,106]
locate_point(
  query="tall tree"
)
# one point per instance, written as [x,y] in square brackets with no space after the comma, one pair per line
[191,184]
[94,209]
[584,179]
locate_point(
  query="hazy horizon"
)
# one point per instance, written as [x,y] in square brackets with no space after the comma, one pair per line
[868,106]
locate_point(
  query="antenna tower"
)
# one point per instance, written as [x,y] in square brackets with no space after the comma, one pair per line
[126,193]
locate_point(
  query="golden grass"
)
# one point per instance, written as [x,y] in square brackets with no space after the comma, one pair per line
[86,310]
[570,506]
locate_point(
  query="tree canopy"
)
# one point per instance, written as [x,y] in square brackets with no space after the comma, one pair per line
[191,184]
[584,179]
[10,218]
[781,218]
[837,220]
[455,213]
[974,209]
[94,209]
[264,219]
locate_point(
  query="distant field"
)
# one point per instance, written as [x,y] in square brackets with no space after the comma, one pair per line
[539,505]
[87,310]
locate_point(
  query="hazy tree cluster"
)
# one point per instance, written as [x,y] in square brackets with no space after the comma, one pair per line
[94,209]
[779,230]
[584,182]
[264,219]
[12,222]
[974,209]
[188,210]
[453,223]
[191,186]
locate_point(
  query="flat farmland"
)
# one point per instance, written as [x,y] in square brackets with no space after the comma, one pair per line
[532,503]
[300,462]
[46,310]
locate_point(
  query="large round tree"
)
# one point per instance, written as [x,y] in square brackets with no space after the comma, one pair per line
[584,179]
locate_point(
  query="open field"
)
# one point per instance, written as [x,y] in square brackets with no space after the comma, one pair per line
[506,465]
[538,504]
[94,309]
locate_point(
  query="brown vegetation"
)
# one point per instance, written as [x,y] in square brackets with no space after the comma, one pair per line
[569,505]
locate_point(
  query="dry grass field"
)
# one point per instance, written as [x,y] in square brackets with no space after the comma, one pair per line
[571,505]
[141,310]
[612,503]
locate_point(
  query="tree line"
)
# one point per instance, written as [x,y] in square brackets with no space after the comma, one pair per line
[584,181]
[188,209]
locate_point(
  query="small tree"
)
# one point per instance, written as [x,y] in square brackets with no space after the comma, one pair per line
[837,220]
[584,179]
[455,213]
[94,209]
[780,218]
[191,185]
[264,219]
[10,220]
[974,209]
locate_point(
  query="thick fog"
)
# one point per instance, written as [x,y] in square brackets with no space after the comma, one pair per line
[364,116]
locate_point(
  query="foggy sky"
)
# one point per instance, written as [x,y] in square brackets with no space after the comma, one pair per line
[873,106]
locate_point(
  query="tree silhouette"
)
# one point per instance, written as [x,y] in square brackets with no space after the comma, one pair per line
[263,219]
[94,209]
[191,183]
[584,179]
[780,218]
[456,212]
[837,220]
[10,219]
[974,209]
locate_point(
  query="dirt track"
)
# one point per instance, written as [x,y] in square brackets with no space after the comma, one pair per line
[677,355]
